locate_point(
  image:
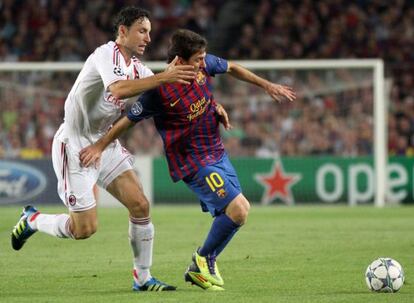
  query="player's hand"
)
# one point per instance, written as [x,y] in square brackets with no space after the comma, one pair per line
[90,155]
[280,92]
[183,74]
[224,117]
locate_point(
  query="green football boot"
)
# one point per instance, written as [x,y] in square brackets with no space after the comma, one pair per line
[204,273]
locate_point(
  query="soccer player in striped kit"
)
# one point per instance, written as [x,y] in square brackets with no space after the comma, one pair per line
[111,77]
[187,118]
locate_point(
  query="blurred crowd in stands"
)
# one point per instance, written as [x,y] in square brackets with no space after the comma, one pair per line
[323,121]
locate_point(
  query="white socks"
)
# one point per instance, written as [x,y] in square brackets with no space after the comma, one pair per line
[141,236]
[54,225]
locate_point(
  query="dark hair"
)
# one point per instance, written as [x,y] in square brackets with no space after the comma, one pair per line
[185,43]
[129,15]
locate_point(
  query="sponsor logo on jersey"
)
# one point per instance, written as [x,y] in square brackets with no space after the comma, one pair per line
[119,103]
[20,182]
[172,104]
[136,109]
[198,108]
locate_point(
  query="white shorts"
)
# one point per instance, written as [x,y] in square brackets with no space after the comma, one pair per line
[75,183]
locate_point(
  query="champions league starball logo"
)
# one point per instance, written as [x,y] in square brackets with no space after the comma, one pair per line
[136,109]
[118,71]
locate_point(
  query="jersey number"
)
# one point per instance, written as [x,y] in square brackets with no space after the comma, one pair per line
[215,181]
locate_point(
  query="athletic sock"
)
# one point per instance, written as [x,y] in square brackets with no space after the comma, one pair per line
[54,225]
[221,232]
[141,237]
[220,248]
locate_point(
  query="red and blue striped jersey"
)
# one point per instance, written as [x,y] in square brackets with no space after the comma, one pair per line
[185,117]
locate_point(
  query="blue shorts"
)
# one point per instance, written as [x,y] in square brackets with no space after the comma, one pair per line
[215,185]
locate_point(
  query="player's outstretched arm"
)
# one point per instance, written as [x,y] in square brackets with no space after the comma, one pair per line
[91,154]
[183,74]
[276,91]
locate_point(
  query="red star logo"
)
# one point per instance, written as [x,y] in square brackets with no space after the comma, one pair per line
[277,184]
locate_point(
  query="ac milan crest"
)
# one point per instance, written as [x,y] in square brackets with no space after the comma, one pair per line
[72,200]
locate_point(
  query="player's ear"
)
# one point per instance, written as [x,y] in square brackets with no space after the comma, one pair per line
[122,30]
[181,61]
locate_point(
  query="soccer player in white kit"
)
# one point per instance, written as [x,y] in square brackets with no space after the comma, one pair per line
[111,76]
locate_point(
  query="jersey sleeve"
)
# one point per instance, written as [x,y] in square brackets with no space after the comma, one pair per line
[215,65]
[144,71]
[105,63]
[148,105]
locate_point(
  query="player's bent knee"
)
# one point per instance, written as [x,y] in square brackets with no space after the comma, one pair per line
[139,209]
[84,232]
[241,216]
[83,224]
[238,211]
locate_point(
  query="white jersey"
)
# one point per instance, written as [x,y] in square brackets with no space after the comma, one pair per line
[90,108]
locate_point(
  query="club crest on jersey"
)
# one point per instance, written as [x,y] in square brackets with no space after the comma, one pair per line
[136,109]
[118,71]
[221,193]
[200,78]
[72,200]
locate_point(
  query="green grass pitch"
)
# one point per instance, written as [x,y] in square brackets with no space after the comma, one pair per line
[283,254]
